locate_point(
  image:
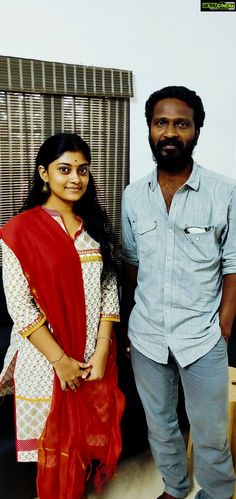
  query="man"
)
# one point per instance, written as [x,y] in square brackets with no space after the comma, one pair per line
[179,257]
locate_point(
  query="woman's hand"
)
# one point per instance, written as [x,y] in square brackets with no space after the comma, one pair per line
[69,372]
[67,369]
[98,361]
[98,366]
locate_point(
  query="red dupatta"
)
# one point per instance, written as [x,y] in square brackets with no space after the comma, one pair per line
[82,425]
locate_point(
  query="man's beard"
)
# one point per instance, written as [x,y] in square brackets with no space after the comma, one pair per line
[172,160]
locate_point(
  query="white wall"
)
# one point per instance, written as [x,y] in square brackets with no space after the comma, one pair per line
[163,42]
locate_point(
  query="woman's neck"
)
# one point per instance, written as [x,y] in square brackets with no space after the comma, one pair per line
[60,206]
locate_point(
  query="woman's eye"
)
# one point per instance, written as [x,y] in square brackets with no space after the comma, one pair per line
[64,169]
[83,170]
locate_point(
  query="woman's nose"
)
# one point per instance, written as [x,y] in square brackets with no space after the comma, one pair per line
[75,177]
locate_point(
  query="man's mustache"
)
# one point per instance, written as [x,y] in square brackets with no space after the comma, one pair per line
[170,142]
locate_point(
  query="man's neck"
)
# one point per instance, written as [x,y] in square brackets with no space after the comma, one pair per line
[171,181]
[174,179]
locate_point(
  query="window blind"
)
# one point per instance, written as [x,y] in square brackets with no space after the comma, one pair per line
[38,99]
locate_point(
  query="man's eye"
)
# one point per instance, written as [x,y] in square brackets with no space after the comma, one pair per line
[160,123]
[183,124]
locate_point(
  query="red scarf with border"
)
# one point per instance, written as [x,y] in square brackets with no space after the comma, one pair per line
[84,425]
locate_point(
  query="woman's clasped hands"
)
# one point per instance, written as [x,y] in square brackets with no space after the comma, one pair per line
[70,372]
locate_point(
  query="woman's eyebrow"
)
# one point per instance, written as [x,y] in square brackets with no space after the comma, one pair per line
[63,163]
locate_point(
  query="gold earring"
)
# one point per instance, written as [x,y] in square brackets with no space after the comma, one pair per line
[46,188]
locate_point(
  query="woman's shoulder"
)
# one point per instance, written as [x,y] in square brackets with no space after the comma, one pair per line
[18,221]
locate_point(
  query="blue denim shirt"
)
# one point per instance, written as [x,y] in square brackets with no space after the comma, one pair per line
[181,258]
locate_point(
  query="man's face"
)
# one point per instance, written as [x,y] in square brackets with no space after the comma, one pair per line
[173,135]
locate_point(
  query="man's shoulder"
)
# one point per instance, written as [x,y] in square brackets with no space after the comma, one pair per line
[139,185]
[211,176]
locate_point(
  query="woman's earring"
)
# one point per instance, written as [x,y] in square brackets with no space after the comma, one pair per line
[46,188]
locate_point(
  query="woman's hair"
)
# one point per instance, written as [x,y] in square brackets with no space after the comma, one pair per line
[181,93]
[94,215]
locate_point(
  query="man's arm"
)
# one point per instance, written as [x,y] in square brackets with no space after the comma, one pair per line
[129,268]
[129,281]
[227,310]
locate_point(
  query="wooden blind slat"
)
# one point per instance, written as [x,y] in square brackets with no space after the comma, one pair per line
[29,75]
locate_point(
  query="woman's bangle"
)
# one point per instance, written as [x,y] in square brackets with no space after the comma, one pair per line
[55,361]
[104,338]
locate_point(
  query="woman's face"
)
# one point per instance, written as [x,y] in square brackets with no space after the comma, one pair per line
[67,177]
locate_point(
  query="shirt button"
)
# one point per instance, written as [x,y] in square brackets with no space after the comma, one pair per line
[169,257]
[197,238]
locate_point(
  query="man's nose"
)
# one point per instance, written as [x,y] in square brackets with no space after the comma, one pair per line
[171,130]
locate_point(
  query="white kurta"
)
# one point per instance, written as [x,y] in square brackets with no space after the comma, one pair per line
[26,372]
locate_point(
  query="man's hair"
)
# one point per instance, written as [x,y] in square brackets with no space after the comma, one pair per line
[181,93]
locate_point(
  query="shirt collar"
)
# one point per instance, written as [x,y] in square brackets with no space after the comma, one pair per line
[153,180]
[193,180]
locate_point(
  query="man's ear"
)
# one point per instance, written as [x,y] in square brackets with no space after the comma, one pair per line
[43,173]
[197,133]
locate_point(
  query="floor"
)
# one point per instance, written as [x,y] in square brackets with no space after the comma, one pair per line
[137,478]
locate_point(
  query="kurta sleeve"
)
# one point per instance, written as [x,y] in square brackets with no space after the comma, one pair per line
[110,308]
[26,315]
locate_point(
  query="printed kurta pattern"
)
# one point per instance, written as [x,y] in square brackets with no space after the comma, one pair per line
[26,372]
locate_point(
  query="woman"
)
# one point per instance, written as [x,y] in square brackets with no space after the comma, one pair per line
[61,293]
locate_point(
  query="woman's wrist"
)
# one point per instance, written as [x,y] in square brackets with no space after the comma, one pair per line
[102,348]
[105,338]
[60,357]
[61,363]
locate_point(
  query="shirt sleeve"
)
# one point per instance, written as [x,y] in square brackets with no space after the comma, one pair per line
[229,239]
[110,308]
[129,249]
[26,315]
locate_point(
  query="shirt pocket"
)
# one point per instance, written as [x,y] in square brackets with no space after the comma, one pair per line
[146,236]
[202,246]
